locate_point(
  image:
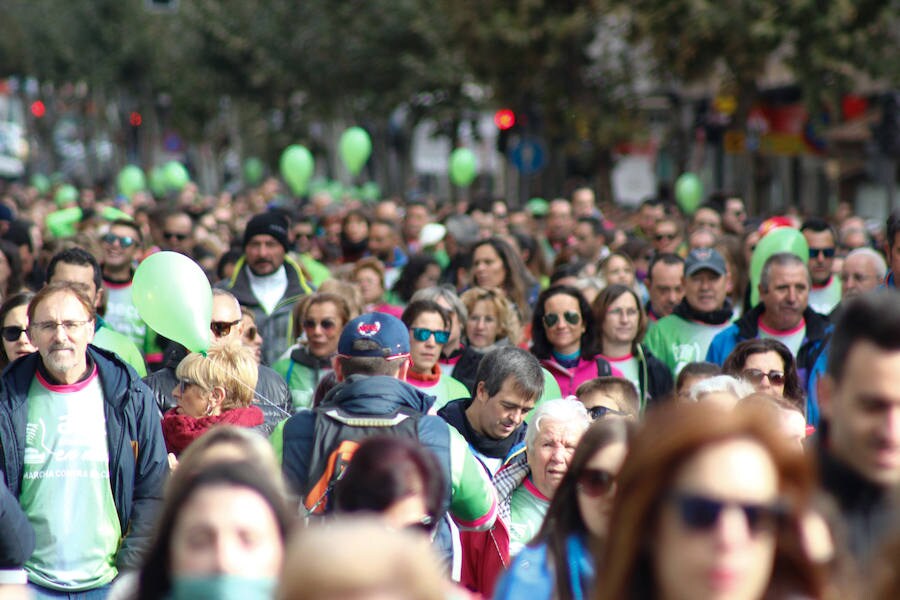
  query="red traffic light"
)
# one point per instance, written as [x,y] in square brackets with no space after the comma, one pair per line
[135,119]
[504,119]
[38,109]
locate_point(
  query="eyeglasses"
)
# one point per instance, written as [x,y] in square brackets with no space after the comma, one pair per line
[701,513]
[571,317]
[620,312]
[48,327]
[11,333]
[421,334]
[827,252]
[126,241]
[596,482]
[665,236]
[599,412]
[171,235]
[183,383]
[755,376]
[222,328]
[326,324]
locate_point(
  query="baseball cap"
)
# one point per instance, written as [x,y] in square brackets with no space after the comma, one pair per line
[374,334]
[704,258]
[538,207]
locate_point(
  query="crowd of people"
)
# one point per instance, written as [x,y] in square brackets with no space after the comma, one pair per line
[416,399]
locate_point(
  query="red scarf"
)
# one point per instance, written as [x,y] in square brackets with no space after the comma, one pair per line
[424,379]
[180,430]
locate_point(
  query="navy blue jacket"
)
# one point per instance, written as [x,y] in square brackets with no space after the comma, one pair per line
[137,454]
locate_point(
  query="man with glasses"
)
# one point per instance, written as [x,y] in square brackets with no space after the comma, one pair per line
[83,450]
[826,286]
[271,394]
[508,383]
[863,270]
[177,233]
[667,237]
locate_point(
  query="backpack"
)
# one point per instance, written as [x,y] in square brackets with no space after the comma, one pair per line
[337,435]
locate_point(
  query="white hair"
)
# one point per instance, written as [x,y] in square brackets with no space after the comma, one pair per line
[721,383]
[568,411]
[872,255]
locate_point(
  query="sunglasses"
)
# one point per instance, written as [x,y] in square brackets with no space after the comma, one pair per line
[11,333]
[701,513]
[599,412]
[571,317]
[126,241]
[250,333]
[169,235]
[827,252]
[665,236]
[326,324]
[421,334]
[184,383]
[595,483]
[755,376]
[222,328]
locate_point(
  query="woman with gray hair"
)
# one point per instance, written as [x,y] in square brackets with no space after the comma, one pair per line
[525,488]
[724,390]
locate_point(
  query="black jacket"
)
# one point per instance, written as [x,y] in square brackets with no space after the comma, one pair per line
[656,379]
[16,534]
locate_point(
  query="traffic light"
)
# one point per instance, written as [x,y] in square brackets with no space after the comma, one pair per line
[505,120]
[38,109]
[135,119]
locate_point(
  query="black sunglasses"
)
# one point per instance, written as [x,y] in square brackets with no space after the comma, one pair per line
[599,412]
[665,236]
[170,235]
[702,513]
[326,324]
[596,482]
[571,317]
[421,334]
[11,333]
[222,328]
[828,252]
[126,241]
[755,376]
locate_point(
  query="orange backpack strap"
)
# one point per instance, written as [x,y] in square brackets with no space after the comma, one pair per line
[334,470]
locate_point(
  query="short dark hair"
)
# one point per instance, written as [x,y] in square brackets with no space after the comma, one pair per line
[872,317]
[617,386]
[696,369]
[711,206]
[418,307]
[818,225]
[508,361]
[596,225]
[369,365]
[131,225]
[666,258]
[76,256]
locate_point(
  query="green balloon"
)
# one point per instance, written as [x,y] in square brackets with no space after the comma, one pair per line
[65,194]
[111,213]
[355,147]
[158,181]
[297,166]
[131,180]
[253,171]
[688,192]
[41,183]
[463,167]
[172,295]
[63,223]
[781,239]
[370,192]
[176,176]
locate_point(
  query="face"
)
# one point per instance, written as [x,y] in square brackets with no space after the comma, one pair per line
[787,296]
[583,202]
[863,412]
[618,271]
[82,275]
[734,215]
[559,220]
[17,318]
[586,246]
[415,219]
[705,290]
[425,354]
[666,237]
[322,324]
[766,362]
[356,229]
[793,426]
[595,509]
[226,310]
[665,287]
[648,216]
[487,267]
[858,276]
[498,416]
[620,325]
[226,529]
[726,559]
[614,402]
[120,247]
[820,266]
[63,348]
[381,240]
[264,254]
[193,400]
[565,337]
[370,285]
[482,326]
[176,234]
[709,220]
[5,269]
[429,277]
[251,336]
[549,458]
[303,236]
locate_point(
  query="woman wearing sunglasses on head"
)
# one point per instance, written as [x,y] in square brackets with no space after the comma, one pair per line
[708,506]
[429,330]
[14,323]
[212,390]
[563,339]
[318,322]
[559,562]
[768,366]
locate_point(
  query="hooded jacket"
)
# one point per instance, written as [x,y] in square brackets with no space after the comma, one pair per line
[302,372]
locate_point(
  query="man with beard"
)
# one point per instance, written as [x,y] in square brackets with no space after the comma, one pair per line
[268,282]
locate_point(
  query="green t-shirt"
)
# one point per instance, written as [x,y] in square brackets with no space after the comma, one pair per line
[527,509]
[677,341]
[445,390]
[66,490]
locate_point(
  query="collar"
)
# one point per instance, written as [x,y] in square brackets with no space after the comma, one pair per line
[52,384]
[276,278]
[714,317]
[430,378]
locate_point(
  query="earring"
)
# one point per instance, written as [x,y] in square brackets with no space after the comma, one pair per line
[209,408]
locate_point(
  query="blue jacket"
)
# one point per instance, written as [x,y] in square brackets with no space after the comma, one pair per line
[137,454]
[531,575]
